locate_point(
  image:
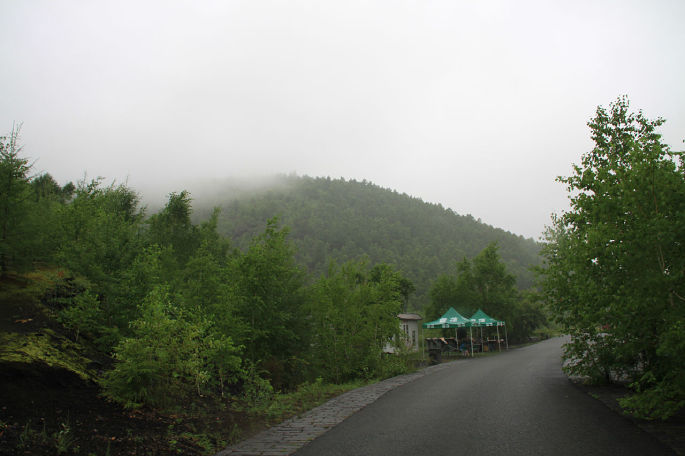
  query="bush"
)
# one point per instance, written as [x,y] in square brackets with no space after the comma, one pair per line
[168,356]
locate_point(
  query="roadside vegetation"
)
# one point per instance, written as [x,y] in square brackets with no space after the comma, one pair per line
[614,272]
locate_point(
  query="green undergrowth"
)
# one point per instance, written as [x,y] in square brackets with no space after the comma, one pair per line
[283,405]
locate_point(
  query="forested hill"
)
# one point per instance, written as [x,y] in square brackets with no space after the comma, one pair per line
[335,219]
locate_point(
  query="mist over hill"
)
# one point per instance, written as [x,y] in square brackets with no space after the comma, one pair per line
[340,220]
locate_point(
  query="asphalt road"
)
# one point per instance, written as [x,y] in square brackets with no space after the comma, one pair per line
[516,403]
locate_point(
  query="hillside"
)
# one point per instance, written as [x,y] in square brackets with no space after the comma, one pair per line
[335,219]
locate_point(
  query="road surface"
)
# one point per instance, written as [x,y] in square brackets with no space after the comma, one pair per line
[516,403]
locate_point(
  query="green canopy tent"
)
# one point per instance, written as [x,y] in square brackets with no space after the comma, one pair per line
[481,319]
[451,319]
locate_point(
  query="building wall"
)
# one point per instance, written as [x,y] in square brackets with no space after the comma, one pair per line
[409,329]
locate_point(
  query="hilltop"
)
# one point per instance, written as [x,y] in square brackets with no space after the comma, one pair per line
[337,219]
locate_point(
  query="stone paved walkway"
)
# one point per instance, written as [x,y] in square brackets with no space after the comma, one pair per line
[291,435]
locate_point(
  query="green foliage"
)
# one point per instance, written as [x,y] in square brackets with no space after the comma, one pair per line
[64,439]
[283,405]
[83,315]
[172,228]
[270,295]
[354,313]
[17,225]
[615,262]
[166,358]
[444,293]
[99,239]
[29,437]
[484,282]
[257,391]
[339,220]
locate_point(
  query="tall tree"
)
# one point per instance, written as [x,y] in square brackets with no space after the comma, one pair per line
[354,314]
[615,262]
[15,195]
[494,286]
[172,227]
[100,239]
[443,295]
[270,298]
[484,282]
[481,282]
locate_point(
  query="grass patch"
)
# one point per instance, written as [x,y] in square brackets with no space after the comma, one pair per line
[307,396]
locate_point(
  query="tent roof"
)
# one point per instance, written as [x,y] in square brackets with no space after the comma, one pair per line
[450,319]
[480,318]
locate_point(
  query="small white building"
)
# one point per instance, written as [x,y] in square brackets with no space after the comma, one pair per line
[409,331]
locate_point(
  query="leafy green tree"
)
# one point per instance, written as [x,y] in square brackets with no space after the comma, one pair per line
[354,314]
[100,237]
[484,282]
[206,281]
[172,228]
[145,273]
[481,282]
[83,315]
[494,287]
[615,262]
[529,314]
[269,300]
[443,295]
[16,232]
[169,355]
[46,187]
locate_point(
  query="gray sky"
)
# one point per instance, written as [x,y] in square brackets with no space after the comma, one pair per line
[476,105]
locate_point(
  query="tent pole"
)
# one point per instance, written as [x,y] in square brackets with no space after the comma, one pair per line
[505,336]
[499,344]
[471,334]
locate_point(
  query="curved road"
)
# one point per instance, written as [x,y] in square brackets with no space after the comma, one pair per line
[516,403]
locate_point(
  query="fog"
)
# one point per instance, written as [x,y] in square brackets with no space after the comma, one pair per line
[478,106]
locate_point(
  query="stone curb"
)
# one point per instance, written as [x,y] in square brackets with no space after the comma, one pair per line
[291,435]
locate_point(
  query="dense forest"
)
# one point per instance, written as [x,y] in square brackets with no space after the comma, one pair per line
[339,220]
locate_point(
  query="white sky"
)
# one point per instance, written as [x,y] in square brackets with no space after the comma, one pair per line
[476,105]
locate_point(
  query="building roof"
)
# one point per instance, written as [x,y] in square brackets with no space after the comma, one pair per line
[410,317]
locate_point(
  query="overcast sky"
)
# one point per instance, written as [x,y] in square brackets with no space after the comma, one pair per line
[476,105]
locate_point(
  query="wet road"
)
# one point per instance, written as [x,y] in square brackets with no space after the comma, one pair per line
[516,403]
